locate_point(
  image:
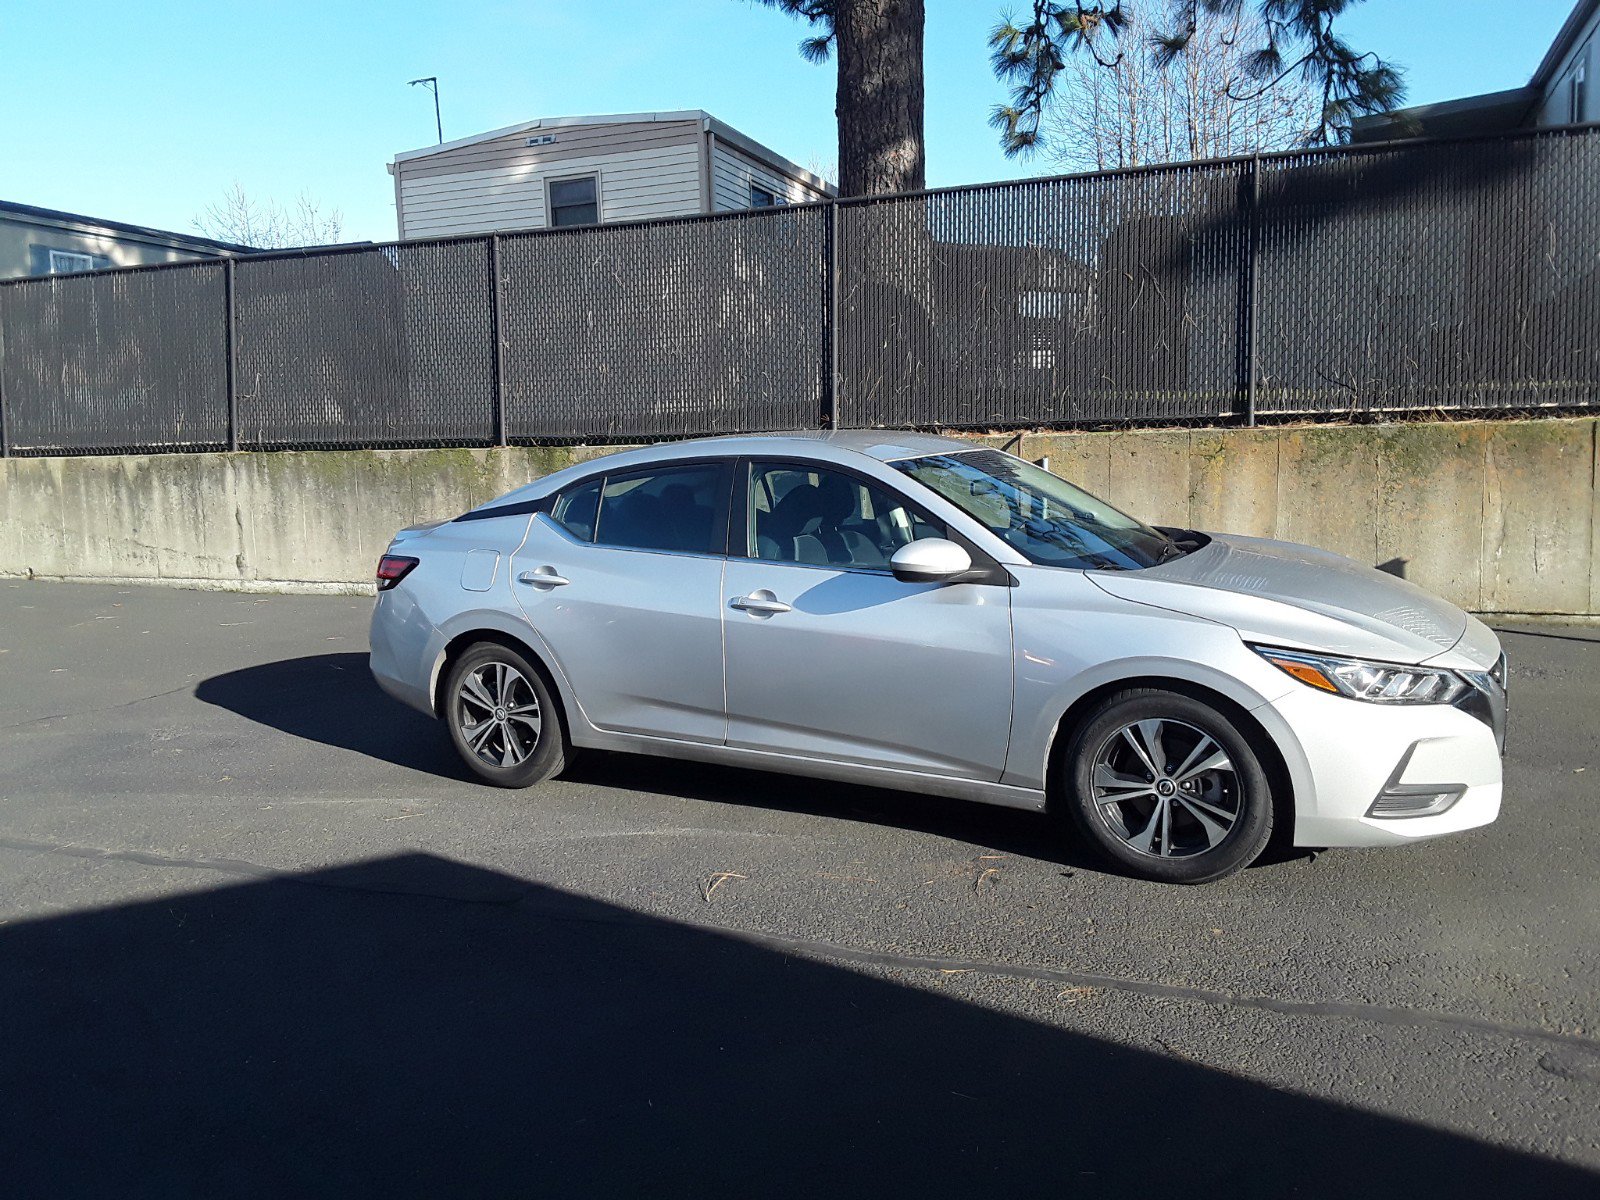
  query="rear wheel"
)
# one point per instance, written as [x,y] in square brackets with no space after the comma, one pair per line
[1168,787]
[502,717]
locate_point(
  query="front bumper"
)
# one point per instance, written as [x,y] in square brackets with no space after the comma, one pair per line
[1351,752]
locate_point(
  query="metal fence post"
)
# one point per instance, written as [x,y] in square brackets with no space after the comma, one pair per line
[1250,316]
[830,321]
[5,435]
[230,344]
[496,286]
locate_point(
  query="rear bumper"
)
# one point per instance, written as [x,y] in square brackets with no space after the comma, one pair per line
[1349,752]
[403,650]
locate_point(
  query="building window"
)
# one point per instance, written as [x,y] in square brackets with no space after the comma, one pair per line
[1578,97]
[575,201]
[761,197]
[63,262]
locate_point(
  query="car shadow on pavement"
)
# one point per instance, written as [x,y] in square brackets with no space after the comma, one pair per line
[1005,829]
[333,700]
[1010,830]
[413,1026]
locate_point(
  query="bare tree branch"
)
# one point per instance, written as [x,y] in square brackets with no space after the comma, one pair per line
[1032,56]
[1153,106]
[266,225]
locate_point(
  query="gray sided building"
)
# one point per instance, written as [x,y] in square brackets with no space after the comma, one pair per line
[46,241]
[589,171]
[1562,91]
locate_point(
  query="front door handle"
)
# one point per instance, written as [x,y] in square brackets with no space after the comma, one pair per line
[544,577]
[759,602]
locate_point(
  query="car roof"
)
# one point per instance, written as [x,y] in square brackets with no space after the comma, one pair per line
[825,445]
[885,445]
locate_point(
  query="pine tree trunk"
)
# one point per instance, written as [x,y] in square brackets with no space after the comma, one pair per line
[880,96]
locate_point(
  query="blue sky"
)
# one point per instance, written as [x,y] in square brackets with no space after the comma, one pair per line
[148,112]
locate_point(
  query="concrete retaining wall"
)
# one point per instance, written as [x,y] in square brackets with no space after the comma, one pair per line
[1498,516]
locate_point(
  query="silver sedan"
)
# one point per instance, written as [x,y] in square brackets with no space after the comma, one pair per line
[920,613]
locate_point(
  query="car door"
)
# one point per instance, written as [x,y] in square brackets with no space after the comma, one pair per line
[830,656]
[622,579]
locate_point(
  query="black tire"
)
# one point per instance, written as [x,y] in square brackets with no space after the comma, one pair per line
[519,743]
[1216,821]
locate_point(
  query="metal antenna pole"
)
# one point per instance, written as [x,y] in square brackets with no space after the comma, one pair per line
[431,82]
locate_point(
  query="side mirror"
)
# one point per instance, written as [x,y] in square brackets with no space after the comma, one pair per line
[930,560]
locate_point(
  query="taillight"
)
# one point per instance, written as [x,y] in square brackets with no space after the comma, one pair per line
[392,568]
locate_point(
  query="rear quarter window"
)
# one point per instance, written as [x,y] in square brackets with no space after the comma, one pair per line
[575,510]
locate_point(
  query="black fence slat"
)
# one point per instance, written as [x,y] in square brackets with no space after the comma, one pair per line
[1450,277]
[116,362]
[1076,300]
[387,347]
[666,328]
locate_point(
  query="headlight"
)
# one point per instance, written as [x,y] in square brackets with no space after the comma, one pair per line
[1382,683]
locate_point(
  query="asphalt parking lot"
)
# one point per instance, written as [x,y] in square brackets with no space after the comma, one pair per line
[261,935]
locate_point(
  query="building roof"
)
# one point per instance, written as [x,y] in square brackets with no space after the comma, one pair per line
[1562,46]
[55,216]
[1492,112]
[722,129]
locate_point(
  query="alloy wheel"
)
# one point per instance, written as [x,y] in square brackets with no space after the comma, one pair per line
[500,719]
[1166,788]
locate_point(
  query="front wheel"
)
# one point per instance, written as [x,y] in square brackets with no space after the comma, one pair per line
[1168,787]
[502,717]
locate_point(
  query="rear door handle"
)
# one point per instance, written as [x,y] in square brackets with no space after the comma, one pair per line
[543,577]
[760,603]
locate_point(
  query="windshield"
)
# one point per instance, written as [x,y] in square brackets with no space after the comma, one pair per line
[1046,518]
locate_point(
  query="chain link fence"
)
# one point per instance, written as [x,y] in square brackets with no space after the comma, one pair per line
[382,347]
[665,327]
[115,361]
[1062,301]
[1443,277]
[1432,277]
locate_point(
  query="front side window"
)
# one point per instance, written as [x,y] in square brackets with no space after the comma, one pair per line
[823,518]
[575,201]
[674,509]
[1046,518]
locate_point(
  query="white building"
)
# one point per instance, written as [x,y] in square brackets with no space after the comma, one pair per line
[591,170]
[1561,92]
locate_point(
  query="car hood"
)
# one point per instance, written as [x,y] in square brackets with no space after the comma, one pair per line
[1286,594]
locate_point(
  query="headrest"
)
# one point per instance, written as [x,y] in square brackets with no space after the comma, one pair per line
[836,499]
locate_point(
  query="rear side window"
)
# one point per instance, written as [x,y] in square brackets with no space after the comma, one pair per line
[680,509]
[575,510]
